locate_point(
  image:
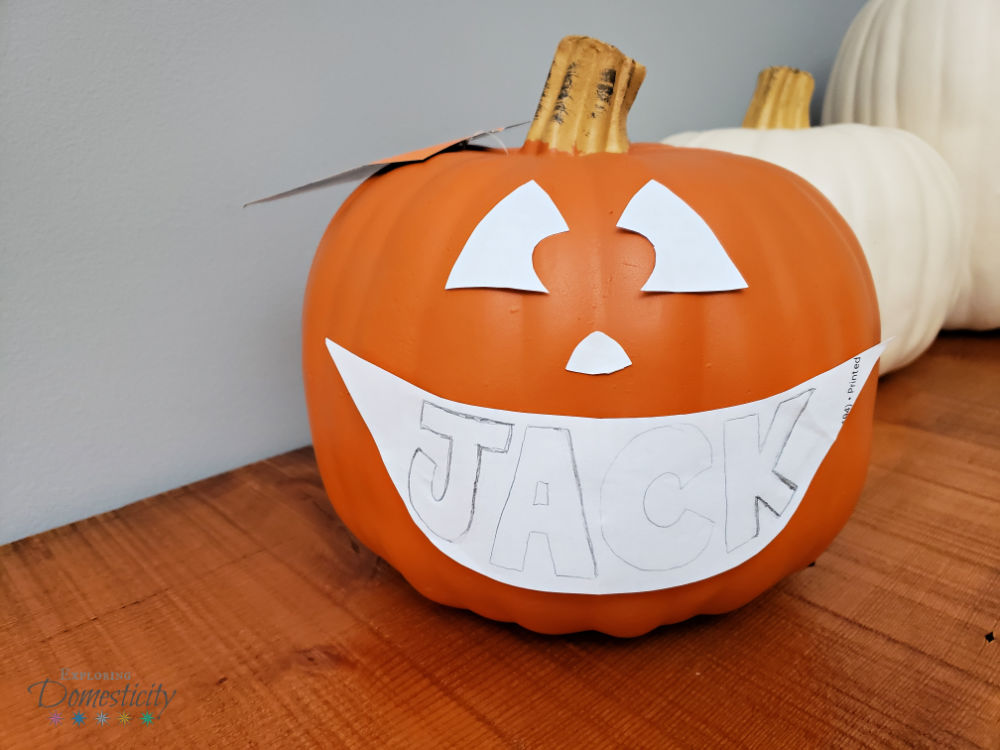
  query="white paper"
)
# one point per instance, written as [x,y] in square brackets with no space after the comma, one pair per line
[499,252]
[601,506]
[689,257]
[598,354]
[364,171]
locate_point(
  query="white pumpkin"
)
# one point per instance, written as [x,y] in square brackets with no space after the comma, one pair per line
[933,67]
[895,191]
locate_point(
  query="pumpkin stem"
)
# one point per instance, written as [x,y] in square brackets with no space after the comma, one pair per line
[586,99]
[781,99]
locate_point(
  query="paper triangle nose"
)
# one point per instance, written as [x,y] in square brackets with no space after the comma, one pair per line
[598,354]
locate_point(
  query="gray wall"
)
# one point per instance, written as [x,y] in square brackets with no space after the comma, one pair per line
[148,325]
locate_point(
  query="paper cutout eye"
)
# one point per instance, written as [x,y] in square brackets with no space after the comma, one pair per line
[498,253]
[689,257]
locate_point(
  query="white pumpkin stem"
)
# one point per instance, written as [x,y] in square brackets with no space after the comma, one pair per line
[781,99]
[586,99]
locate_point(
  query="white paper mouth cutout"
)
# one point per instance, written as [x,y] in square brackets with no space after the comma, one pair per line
[601,506]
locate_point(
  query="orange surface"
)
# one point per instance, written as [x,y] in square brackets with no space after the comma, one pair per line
[377,288]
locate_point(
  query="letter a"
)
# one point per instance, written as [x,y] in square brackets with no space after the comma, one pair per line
[545,503]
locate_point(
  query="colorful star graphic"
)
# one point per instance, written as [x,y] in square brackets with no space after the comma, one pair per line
[79,718]
[55,717]
[146,718]
[124,719]
[101,718]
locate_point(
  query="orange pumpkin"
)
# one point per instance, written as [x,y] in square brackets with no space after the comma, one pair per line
[377,289]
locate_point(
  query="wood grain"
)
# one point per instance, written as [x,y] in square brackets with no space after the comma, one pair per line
[246,595]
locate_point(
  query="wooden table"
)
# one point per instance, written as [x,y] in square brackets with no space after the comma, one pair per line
[244,597]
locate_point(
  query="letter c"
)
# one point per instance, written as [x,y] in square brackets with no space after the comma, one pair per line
[668,457]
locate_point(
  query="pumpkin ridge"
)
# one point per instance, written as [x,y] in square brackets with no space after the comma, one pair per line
[375,227]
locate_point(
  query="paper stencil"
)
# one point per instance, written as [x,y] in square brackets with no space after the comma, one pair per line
[689,257]
[598,354]
[601,506]
[364,171]
[499,252]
